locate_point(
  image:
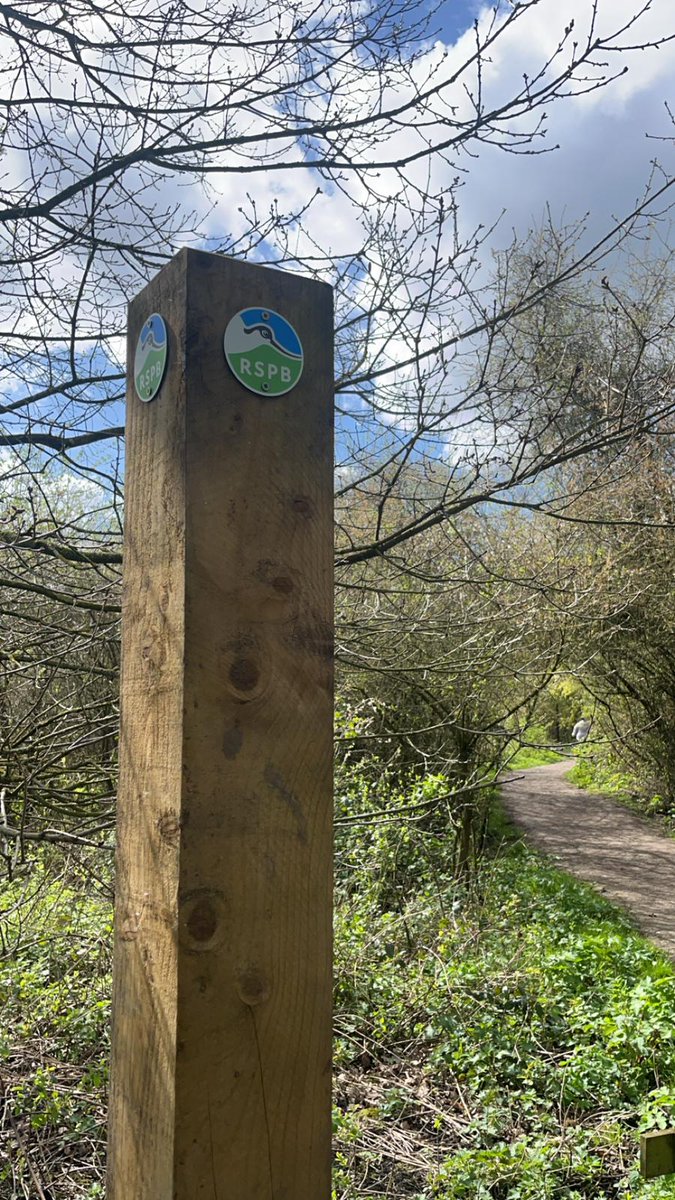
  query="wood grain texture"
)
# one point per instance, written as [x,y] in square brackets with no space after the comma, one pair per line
[222,1022]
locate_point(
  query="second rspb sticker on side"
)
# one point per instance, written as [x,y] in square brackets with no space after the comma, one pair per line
[150,359]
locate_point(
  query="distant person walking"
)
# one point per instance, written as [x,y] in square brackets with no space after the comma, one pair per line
[582,729]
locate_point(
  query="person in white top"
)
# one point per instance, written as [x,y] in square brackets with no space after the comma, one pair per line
[581,729]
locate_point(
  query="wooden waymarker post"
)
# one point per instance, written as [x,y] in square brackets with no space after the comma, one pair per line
[657,1153]
[220,1086]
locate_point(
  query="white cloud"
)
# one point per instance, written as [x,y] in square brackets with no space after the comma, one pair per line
[604,156]
[600,168]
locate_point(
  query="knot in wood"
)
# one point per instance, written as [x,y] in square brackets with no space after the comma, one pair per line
[168,826]
[201,921]
[244,674]
[253,987]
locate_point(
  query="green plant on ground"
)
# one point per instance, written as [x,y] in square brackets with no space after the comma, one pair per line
[55,933]
[504,1038]
[596,771]
[532,749]
[507,1041]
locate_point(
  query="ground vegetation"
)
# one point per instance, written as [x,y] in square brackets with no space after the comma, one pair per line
[503,521]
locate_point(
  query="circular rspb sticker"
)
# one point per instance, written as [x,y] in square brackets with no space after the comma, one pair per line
[150,360]
[263,351]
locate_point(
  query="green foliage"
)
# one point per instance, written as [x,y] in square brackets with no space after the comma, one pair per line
[535,751]
[529,1009]
[504,1038]
[599,772]
[422,832]
[559,707]
[55,988]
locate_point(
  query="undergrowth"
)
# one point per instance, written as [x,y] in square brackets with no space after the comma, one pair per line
[522,1032]
[598,772]
[55,981]
[532,749]
[503,1040]
[506,1039]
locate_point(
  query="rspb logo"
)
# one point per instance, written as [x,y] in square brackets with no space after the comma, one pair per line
[150,358]
[263,351]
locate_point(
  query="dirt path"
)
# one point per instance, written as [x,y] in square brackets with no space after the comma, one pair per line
[601,842]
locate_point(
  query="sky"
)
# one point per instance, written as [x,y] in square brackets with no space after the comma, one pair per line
[598,150]
[606,146]
[606,141]
[600,167]
[454,17]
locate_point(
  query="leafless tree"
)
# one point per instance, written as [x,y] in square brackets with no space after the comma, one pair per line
[127,133]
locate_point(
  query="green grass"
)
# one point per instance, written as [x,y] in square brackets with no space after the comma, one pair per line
[597,773]
[514,1039]
[500,1041]
[535,753]
[533,756]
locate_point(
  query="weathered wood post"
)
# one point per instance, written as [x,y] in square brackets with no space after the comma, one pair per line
[220,1086]
[657,1153]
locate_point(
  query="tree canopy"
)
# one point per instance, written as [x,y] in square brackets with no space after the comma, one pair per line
[468,386]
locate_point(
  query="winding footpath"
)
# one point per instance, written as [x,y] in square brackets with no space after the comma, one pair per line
[621,854]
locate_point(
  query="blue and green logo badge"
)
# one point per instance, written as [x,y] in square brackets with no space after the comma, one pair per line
[150,360]
[263,351]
